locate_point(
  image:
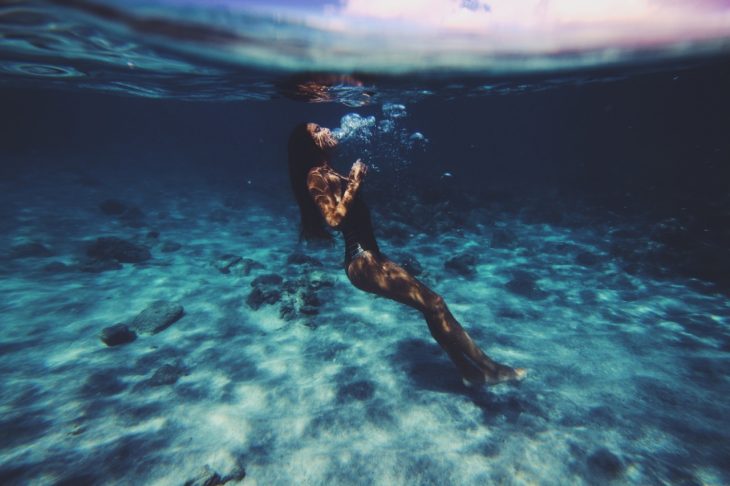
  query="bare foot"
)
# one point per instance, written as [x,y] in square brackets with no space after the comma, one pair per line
[503,374]
[506,374]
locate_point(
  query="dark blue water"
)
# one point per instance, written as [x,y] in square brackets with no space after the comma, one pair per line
[576,223]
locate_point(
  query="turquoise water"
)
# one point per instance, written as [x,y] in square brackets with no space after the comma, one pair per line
[570,206]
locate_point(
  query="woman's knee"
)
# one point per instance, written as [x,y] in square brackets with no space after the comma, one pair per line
[436,308]
[437,304]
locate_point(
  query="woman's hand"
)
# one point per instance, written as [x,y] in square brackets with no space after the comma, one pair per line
[358,171]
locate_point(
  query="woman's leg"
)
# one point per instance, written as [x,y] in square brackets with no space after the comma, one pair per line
[381,276]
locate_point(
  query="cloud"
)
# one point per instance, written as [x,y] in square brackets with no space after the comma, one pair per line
[554,23]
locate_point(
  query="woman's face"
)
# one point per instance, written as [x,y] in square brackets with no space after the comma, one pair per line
[322,136]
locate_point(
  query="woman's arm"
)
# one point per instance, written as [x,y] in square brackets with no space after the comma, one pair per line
[334,211]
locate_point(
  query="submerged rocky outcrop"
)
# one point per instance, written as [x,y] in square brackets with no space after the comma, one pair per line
[266,290]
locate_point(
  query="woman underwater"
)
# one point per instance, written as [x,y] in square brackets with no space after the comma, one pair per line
[324,196]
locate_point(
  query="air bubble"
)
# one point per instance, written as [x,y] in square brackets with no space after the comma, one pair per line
[386,126]
[394,110]
[354,126]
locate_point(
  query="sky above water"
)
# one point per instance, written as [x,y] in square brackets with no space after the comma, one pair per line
[532,24]
[493,37]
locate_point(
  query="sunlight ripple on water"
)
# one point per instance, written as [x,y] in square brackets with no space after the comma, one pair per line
[39,70]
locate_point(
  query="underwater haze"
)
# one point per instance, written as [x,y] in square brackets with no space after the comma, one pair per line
[559,172]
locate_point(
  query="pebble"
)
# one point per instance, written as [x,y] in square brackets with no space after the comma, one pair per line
[117,334]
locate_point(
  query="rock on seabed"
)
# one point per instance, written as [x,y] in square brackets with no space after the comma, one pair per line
[117,334]
[123,251]
[604,463]
[463,265]
[157,317]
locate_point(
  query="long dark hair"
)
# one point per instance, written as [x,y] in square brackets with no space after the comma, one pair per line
[303,155]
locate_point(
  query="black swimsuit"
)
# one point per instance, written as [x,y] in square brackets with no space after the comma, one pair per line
[357,229]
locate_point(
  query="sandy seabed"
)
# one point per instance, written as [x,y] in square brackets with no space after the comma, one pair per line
[312,381]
